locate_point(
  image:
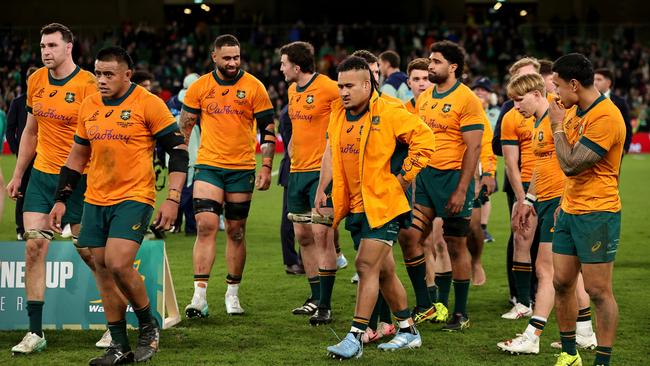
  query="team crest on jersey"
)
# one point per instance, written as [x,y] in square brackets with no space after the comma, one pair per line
[309,99]
[241,94]
[375,120]
[126,114]
[540,136]
[446,108]
[580,130]
[39,94]
[69,97]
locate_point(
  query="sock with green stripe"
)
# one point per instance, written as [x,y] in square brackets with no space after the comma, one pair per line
[535,327]
[118,333]
[359,326]
[461,293]
[314,284]
[417,270]
[603,355]
[403,323]
[568,340]
[522,273]
[35,313]
[144,315]
[443,281]
[327,277]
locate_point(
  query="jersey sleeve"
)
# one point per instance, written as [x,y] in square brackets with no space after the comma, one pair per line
[30,93]
[262,102]
[473,116]
[412,131]
[598,135]
[508,129]
[487,157]
[192,99]
[90,86]
[158,118]
[81,135]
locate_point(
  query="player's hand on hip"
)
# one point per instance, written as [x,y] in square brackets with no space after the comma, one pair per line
[456,202]
[56,215]
[166,215]
[263,181]
[13,188]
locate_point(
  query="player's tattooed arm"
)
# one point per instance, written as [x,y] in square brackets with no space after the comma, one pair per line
[573,159]
[187,122]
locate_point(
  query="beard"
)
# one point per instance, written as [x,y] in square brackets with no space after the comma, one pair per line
[228,74]
[438,78]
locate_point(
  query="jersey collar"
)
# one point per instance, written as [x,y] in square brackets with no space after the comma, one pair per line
[227,82]
[436,95]
[581,113]
[302,89]
[62,82]
[117,101]
[538,121]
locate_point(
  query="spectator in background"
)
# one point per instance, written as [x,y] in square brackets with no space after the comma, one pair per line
[185,208]
[16,120]
[482,87]
[604,82]
[291,259]
[395,81]
[143,78]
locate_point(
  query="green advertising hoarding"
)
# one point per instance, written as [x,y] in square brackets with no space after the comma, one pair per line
[71,299]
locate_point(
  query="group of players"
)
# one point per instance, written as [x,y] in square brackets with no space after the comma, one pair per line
[416,173]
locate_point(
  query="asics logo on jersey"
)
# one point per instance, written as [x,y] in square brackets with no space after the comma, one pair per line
[349,129]
[53,93]
[225,92]
[108,114]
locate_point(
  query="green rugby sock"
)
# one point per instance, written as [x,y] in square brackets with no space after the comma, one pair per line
[522,273]
[35,313]
[443,281]
[603,355]
[118,333]
[314,284]
[327,278]
[417,271]
[461,293]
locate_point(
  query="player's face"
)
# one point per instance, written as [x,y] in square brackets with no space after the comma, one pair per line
[482,94]
[112,78]
[418,81]
[525,70]
[289,69]
[548,83]
[54,50]
[374,68]
[439,68]
[383,67]
[601,83]
[526,104]
[566,90]
[227,59]
[354,88]
[146,84]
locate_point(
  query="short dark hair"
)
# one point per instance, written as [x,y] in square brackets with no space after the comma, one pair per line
[141,75]
[227,40]
[301,54]
[66,33]
[368,56]
[114,53]
[453,53]
[575,66]
[391,57]
[545,67]
[418,64]
[605,72]
[353,63]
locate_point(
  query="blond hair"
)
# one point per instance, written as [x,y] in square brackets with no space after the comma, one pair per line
[524,84]
[526,61]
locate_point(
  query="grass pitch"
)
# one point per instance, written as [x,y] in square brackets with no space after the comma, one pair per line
[269,335]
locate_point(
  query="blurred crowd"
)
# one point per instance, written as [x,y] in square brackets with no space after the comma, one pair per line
[172,52]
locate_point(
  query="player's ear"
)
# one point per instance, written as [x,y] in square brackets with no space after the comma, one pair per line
[214,55]
[129,73]
[68,48]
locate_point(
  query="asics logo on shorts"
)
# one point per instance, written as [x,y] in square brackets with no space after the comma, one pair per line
[136,226]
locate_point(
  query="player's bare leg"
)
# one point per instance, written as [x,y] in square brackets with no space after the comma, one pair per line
[475,244]
[309,255]
[236,212]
